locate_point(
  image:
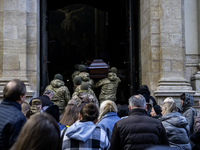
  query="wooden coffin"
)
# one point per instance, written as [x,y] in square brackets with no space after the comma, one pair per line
[98,69]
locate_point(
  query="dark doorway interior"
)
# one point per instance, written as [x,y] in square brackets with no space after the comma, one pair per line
[79,31]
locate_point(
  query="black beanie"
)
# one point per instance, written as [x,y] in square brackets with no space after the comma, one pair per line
[77,80]
[58,76]
[157,109]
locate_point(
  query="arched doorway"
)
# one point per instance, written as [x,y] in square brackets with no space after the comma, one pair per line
[79,31]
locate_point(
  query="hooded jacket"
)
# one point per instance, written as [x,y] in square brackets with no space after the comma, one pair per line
[188,111]
[85,135]
[61,94]
[107,122]
[177,129]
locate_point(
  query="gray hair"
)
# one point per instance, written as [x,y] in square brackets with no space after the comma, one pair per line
[137,101]
[47,92]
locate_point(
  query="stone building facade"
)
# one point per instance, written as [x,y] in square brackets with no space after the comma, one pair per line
[169,46]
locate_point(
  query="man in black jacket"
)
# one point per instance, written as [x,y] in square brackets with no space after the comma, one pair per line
[138,131]
[45,100]
[11,117]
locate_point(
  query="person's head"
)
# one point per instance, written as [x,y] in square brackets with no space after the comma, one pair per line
[156,110]
[85,86]
[123,110]
[89,112]
[26,109]
[168,99]
[105,107]
[48,93]
[85,76]
[199,102]
[137,101]
[15,90]
[113,69]
[77,81]
[112,76]
[58,76]
[144,89]
[70,114]
[40,132]
[186,100]
[82,68]
[168,107]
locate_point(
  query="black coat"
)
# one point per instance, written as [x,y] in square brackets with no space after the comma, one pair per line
[138,131]
[11,122]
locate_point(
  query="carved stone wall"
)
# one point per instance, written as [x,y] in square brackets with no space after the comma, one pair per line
[19,43]
[163,48]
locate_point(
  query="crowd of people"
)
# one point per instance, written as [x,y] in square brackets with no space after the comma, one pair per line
[58,120]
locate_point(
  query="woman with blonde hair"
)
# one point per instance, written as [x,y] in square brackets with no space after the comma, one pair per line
[176,126]
[107,116]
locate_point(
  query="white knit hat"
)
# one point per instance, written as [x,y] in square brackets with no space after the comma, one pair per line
[169,99]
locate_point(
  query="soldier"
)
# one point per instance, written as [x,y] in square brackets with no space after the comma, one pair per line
[77,84]
[83,94]
[108,87]
[76,72]
[85,76]
[61,94]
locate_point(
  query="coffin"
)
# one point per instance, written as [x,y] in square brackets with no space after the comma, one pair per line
[98,69]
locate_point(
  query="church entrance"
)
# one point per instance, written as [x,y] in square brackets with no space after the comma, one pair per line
[79,31]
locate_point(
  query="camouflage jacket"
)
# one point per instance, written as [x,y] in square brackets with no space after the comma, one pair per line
[85,76]
[108,87]
[76,73]
[90,91]
[60,92]
[82,94]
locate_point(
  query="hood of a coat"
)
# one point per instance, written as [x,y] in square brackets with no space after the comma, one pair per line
[176,119]
[81,131]
[57,83]
[188,102]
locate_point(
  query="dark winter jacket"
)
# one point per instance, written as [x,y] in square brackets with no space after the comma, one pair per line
[11,122]
[144,91]
[177,129]
[195,138]
[188,111]
[138,131]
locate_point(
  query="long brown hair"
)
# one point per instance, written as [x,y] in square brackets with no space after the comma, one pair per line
[71,113]
[40,132]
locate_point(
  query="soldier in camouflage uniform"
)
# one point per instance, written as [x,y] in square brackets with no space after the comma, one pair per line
[108,87]
[85,76]
[77,84]
[76,73]
[61,94]
[83,93]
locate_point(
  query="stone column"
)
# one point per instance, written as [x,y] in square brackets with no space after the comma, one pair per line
[163,48]
[172,52]
[13,42]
